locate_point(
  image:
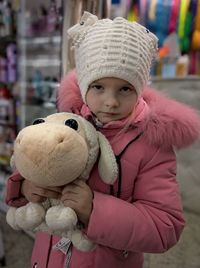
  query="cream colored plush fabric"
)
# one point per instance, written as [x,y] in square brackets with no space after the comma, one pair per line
[54,152]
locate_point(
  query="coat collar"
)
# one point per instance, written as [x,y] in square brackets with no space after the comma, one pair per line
[165,122]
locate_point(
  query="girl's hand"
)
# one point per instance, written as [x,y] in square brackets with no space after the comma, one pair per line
[78,196]
[38,194]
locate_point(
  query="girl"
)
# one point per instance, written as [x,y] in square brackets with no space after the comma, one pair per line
[142,212]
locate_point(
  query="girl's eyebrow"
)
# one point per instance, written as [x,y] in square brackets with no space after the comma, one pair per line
[127,85]
[101,83]
[96,83]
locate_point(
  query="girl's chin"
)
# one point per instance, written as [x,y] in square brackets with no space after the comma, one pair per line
[107,119]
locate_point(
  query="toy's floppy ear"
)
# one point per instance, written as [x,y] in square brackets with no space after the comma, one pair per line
[108,168]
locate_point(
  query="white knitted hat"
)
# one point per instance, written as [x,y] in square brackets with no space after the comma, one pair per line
[112,48]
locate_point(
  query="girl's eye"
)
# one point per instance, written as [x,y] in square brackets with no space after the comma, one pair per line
[97,87]
[125,90]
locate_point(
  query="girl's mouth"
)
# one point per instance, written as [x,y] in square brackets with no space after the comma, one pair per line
[108,113]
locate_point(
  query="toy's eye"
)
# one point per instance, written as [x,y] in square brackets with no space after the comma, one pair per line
[72,123]
[38,121]
[147,30]
[82,23]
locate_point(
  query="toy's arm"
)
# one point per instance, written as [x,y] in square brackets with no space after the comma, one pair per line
[26,217]
[18,214]
[61,218]
[14,196]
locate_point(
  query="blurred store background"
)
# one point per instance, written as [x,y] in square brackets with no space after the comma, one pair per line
[34,55]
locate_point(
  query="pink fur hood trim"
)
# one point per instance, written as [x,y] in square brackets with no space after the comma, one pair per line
[168,122]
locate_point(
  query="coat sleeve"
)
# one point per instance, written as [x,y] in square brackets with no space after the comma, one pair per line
[14,196]
[153,222]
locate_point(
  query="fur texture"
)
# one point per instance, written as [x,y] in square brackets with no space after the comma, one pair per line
[69,97]
[169,122]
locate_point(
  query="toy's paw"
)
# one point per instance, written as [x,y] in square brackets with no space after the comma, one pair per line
[80,241]
[61,218]
[11,219]
[30,216]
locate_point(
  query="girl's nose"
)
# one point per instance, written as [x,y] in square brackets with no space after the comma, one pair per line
[111,101]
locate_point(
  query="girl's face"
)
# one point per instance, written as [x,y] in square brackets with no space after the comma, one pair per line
[111,99]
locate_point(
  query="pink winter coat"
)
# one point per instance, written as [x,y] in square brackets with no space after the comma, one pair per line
[148,216]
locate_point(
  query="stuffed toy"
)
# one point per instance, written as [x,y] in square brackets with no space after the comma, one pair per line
[55,151]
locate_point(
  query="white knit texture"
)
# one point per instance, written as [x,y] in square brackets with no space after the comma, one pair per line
[112,48]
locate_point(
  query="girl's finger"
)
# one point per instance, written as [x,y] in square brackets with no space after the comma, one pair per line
[80,183]
[70,203]
[70,196]
[37,199]
[47,193]
[71,188]
[53,189]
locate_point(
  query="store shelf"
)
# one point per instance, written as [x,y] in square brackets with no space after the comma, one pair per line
[8,39]
[41,40]
[176,79]
[8,84]
[40,63]
[5,40]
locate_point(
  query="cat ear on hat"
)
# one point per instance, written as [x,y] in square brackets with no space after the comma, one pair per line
[152,39]
[79,30]
[88,19]
[154,43]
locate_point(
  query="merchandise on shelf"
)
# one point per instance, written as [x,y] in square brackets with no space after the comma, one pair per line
[196,33]
[39,58]
[8,78]
[41,89]
[7,18]
[52,17]
[7,126]
[43,19]
[3,68]
[164,18]
[30,41]
[11,53]
[8,64]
